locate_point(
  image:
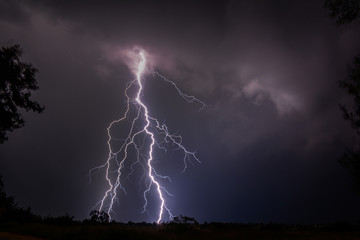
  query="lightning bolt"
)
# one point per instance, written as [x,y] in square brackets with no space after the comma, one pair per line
[151,129]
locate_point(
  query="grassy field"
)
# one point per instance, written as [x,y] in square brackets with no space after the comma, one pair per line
[38,231]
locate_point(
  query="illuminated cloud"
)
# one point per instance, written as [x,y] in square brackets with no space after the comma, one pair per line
[260,91]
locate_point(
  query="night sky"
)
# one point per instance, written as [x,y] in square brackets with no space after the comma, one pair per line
[269,139]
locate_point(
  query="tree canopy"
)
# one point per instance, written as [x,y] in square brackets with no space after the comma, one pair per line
[17,81]
[346,11]
[351,159]
[343,11]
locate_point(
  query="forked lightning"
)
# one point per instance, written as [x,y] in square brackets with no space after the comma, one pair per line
[143,126]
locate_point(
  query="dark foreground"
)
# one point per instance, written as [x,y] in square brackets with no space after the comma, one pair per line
[37,231]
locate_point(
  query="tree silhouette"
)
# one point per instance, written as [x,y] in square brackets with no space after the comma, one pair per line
[184,220]
[17,80]
[343,11]
[351,159]
[10,212]
[346,11]
[99,217]
[6,203]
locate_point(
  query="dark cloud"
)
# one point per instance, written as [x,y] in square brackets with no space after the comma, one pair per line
[269,139]
[13,13]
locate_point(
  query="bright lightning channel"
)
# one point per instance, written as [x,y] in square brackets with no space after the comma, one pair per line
[150,128]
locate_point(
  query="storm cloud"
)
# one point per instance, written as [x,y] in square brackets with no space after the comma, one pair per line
[269,138]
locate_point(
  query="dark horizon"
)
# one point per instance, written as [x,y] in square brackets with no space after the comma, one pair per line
[269,139]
